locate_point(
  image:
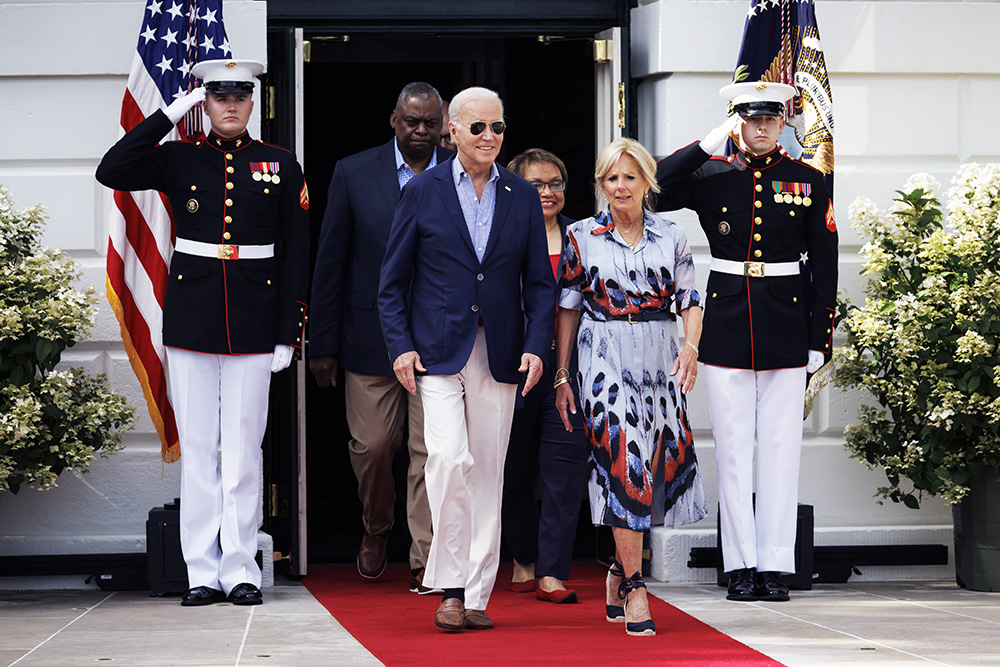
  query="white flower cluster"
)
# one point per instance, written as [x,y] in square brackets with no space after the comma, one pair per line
[924,342]
[49,420]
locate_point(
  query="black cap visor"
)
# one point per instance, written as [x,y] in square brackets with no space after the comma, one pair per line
[225,87]
[760,109]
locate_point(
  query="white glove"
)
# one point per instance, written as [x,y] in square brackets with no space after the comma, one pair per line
[281,358]
[714,140]
[816,360]
[182,105]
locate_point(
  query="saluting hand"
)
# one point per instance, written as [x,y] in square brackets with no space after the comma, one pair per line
[182,105]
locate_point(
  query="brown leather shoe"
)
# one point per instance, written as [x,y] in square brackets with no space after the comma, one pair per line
[450,614]
[417,585]
[476,619]
[371,556]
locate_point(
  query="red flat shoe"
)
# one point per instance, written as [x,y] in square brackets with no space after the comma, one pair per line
[567,596]
[523,586]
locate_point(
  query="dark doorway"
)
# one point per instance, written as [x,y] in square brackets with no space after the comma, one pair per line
[351,86]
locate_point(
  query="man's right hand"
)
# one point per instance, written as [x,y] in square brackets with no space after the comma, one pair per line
[324,369]
[713,140]
[405,366]
[182,105]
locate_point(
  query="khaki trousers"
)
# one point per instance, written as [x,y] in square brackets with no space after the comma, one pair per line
[467,420]
[376,408]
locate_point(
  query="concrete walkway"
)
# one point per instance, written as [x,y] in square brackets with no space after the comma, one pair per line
[905,623]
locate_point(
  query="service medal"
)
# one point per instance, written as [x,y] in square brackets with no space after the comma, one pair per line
[807,201]
[256,176]
[798,200]
[276,179]
[778,199]
[787,198]
[266,177]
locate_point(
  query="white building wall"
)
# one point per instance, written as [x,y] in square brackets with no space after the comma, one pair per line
[915,86]
[63,70]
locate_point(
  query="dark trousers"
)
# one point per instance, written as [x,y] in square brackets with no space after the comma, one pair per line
[541,449]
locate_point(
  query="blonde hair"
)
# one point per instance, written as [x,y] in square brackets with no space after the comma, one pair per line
[610,156]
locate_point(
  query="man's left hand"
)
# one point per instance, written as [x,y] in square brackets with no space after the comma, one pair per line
[281,358]
[816,361]
[531,364]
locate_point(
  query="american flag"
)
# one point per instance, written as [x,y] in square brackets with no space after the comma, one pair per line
[175,34]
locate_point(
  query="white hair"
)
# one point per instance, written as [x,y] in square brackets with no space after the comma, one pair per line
[476,93]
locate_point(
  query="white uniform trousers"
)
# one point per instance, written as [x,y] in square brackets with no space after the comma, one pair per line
[467,421]
[763,408]
[220,404]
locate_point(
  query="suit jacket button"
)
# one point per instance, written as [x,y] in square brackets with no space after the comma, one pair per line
[479,277]
[475,308]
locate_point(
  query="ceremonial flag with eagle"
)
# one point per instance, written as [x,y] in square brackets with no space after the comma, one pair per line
[175,34]
[781,43]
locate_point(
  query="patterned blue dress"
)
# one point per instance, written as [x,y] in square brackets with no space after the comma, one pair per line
[627,396]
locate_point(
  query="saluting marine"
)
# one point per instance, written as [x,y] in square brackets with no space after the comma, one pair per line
[763,213]
[233,311]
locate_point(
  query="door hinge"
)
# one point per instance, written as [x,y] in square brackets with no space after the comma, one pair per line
[621,105]
[602,50]
[275,493]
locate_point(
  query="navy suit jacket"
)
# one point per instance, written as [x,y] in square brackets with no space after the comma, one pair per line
[434,289]
[362,199]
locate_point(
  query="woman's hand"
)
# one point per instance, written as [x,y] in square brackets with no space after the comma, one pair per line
[686,366]
[565,403]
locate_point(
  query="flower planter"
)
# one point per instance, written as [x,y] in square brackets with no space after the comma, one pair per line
[977,535]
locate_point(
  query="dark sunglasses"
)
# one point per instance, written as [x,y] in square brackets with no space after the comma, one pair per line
[497,127]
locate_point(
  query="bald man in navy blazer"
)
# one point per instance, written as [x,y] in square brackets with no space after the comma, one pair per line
[465,301]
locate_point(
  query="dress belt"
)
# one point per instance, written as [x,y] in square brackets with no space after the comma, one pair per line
[755,269]
[224,250]
[644,316]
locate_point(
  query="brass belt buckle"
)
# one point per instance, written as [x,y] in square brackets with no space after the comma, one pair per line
[228,251]
[753,269]
[631,321]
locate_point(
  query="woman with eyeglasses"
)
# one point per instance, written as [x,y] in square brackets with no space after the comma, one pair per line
[540,448]
[625,274]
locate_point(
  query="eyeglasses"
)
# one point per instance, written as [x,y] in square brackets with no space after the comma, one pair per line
[555,186]
[497,127]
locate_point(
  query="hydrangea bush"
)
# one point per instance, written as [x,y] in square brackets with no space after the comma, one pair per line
[924,344]
[49,420]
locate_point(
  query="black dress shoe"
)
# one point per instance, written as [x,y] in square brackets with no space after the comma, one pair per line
[245,594]
[771,588]
[742,587]
[201,595]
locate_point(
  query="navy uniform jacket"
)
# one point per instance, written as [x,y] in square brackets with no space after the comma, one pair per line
[759,323]
[232,306]
[434,289]
[363,195]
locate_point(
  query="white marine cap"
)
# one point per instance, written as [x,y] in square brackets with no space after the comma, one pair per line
[758,98]
[228,76]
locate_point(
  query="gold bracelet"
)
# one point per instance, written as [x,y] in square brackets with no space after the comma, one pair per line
[560,381]
[562,370]
[692,346]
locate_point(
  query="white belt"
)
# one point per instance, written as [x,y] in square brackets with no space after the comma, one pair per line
[223,250]
[755,269]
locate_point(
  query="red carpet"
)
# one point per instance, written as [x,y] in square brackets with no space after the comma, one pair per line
[397,626]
